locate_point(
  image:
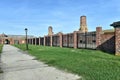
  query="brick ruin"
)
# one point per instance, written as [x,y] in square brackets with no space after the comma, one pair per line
[105,40]
[50,30]
[116,25]
[83,24]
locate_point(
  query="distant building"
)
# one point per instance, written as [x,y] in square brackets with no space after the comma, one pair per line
[12,39]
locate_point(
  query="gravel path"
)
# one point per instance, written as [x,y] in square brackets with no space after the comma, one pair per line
[19,66]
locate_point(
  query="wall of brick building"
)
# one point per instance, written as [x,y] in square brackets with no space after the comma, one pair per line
[12,41]
[107,42]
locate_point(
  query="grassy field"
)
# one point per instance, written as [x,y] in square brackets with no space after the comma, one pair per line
[90,64]
[0,56]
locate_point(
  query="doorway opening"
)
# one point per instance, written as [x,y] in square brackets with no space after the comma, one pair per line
[7,41]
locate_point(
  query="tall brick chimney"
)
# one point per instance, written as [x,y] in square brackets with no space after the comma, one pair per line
[50,32]
[83,24]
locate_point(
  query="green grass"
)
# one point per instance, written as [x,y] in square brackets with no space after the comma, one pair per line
[1,48]
[0,56]
[90,64]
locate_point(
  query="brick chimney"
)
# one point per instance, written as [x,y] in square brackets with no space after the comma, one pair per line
[83,24]
[50,32]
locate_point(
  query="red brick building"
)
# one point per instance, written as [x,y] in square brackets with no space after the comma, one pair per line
[12,39]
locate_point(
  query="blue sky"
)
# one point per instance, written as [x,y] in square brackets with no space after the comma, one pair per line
[63,15]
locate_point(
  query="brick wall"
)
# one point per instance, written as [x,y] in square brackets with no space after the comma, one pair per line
[108,42]
[105,41]
[116,25]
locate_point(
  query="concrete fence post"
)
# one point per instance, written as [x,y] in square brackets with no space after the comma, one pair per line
[44,41]
[51,40]
[60,39]
[116,25]
[98,37]
[75,40]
